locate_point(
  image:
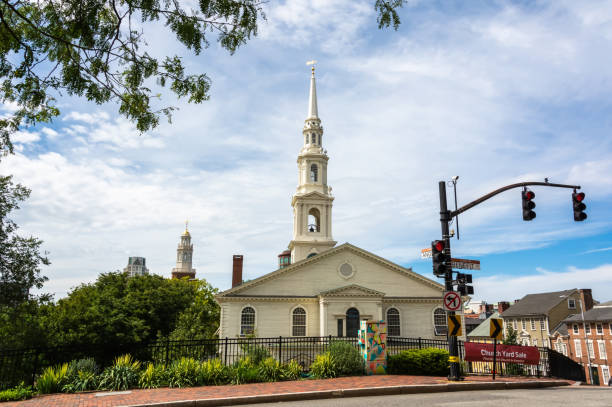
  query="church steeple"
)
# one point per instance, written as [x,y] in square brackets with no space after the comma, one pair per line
[184,257]
[312,202]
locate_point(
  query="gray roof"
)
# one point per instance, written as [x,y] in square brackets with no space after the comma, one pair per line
[561,329]
[537,304]
[593,315]
[483,330]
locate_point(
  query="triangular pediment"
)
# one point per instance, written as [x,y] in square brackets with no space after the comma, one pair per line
[312,276]
[350,291]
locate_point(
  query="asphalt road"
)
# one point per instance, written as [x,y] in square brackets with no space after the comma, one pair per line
[584,396]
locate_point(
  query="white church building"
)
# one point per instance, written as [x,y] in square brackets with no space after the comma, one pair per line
[322,289]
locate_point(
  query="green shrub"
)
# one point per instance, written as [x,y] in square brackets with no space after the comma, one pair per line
[122,375]
[21,392]
[183,373]
[348,361]
[324,367]
[83,365]
[52,379]
[82,375]
[256,353]
[153,376]
[292,370]
[427,362]
[213,372]
[244,371]
[270,370]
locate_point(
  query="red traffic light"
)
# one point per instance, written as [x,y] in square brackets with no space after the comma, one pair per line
[579,196]
[439,245]
[530,195]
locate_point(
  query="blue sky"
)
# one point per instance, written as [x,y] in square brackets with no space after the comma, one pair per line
[495,92]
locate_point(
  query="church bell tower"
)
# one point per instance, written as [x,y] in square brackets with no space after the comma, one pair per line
[312,202]
[184,254]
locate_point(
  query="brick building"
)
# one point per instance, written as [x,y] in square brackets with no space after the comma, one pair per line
[590,343]
[535,316]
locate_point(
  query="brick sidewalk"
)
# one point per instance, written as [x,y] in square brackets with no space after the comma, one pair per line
[111,399]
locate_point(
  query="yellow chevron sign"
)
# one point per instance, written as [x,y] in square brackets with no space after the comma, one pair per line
[496,329]
[454,325]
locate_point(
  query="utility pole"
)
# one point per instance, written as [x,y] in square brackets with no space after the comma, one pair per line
[453,348]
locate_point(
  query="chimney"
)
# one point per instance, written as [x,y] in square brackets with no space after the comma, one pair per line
[237,270]
[502,306]
[586,298]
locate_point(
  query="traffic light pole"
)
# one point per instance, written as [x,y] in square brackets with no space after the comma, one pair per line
[445,218]
[453,348]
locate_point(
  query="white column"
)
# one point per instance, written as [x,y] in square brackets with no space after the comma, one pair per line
[322,317]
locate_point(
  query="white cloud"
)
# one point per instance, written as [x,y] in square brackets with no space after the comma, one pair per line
[50,133]
[25,137]
[510,287]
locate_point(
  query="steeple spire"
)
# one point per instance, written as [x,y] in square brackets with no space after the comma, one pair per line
[312,102]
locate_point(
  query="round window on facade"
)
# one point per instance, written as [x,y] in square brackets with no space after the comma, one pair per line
[346,270]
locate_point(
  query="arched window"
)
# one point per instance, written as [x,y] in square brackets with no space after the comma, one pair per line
[311,255]
[299,322]
[247,321]
[440,323]
[393,322]
[314,173]
[314,220]
[314,138]
[352,322]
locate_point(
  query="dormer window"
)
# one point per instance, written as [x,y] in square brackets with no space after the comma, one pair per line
[571,303]
[314,173]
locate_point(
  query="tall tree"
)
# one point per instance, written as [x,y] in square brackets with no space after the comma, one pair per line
[97,49]
[20,272]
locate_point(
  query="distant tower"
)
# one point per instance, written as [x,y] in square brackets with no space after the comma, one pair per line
[136,267]
[184,254]
[312,202]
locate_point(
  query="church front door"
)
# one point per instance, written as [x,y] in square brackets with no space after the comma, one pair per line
[352,322]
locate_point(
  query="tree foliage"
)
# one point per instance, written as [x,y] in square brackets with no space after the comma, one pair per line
[20,274]
[511,337]
[118,309]
[97,49]
[201,319]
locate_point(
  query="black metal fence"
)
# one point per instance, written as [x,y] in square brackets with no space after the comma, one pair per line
[24,364]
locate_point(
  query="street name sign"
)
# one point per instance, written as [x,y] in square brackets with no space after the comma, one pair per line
[451,301]
[454,325]
[465,264]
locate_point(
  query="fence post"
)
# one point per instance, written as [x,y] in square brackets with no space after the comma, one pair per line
[280,346]
[420,342]
[225,351]
[329,341]
[35,365]
[167,350]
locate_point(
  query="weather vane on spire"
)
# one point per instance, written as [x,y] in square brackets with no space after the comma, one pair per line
[312,62]
[186,224]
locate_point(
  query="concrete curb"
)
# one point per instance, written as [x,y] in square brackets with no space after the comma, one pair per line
[368,391]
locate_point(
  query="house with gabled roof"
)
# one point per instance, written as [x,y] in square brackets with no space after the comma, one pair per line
[319,288]
[536,315]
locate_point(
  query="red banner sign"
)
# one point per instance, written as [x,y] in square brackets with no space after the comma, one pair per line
[483,352]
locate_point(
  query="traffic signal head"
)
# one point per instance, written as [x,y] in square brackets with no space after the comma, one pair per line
[441,261]
[528,204]
[462,284]
[579,206]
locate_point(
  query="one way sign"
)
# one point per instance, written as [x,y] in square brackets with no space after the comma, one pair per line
[454,325]
[496,329]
